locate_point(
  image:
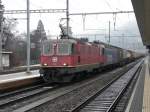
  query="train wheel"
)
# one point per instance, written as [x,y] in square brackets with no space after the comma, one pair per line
[68,78]
[47,77]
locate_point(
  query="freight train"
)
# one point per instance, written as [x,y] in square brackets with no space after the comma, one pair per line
[63,60]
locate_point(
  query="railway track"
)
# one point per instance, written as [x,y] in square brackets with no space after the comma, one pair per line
[19,69]
[124,100]
[38,95]
[22,94]
[107,98]
[18,91]
[62,97]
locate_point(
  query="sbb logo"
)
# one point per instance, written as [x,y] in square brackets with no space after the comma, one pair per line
[54,59]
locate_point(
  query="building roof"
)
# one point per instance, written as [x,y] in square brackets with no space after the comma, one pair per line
[6,52]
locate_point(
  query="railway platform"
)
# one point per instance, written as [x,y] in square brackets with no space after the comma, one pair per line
[140,98]
[19,69]
[146,95]
[18,79]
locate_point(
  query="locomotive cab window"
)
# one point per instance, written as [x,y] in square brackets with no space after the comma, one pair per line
[47,48]
[64,49]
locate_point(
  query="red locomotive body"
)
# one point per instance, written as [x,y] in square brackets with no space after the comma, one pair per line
[63,59]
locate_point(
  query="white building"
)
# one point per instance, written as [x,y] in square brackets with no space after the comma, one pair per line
[6,59]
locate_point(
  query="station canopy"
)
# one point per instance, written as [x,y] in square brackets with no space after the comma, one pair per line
[142,13]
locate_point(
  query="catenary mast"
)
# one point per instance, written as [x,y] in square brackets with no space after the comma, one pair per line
[1,32]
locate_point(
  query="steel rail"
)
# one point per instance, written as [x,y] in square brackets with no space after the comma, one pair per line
[91,98]
[15,97]
[11,93]
[122,91]
[122,103]
[40,102]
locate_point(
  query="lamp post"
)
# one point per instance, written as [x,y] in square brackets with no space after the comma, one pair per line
[28,36]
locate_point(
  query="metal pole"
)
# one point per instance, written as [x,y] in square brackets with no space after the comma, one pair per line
[123,46]
[1,34]
[83,16]
[109,33]
[28,36]
[67,15]
[1,63]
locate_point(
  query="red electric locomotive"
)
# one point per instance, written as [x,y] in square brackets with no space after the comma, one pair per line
[64,59]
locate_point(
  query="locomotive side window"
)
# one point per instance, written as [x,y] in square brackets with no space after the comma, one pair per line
[73,49]
[102,51]
[47,49]
[78,59]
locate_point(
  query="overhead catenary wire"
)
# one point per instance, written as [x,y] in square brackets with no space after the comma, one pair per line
[108,4]
[35,11]
[100,13]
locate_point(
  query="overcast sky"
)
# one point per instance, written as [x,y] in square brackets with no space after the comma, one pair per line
[51,21]
[125,23]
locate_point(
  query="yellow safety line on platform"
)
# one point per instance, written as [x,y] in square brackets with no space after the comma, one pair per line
[146,97]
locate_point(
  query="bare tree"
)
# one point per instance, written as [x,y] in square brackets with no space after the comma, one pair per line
[8,32]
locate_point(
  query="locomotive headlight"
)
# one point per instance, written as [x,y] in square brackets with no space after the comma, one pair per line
[45,64]
[65,64]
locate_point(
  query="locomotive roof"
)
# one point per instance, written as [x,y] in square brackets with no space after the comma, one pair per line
[71,40]
[107,45]
[62,40]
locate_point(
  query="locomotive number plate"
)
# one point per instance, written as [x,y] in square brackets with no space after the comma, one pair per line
[54,59]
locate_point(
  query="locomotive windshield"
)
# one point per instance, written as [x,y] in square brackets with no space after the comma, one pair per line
[50,48]
[64,48]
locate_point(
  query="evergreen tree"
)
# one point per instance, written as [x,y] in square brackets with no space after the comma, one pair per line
[37,37]
[39,34]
